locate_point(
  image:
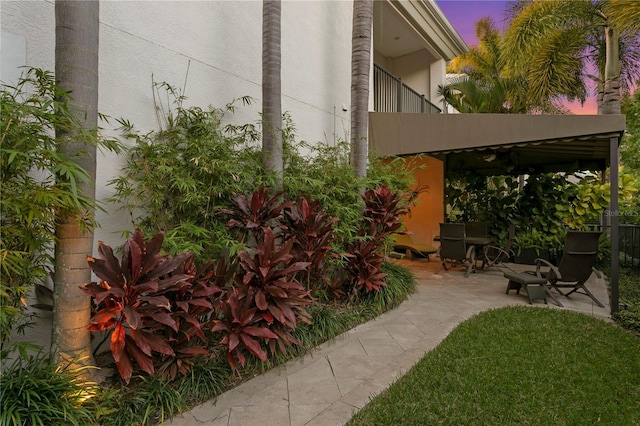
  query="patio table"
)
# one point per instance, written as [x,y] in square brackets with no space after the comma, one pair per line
[479,243]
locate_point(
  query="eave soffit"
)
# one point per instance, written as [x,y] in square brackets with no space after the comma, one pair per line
[428,21]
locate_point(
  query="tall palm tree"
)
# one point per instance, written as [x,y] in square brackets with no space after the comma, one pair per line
[484,84]
[362,37]
[271,89]
[76,71]
[624,13]
[553,42]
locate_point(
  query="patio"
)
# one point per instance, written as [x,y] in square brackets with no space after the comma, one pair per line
[328,385]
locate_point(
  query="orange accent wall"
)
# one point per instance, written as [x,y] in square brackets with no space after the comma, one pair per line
[423,222]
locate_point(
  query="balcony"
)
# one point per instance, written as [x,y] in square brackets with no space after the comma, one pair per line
[390,94]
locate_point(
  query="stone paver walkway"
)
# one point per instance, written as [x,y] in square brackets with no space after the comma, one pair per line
[326,387]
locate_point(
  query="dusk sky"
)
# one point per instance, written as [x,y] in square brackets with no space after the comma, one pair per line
[463,15]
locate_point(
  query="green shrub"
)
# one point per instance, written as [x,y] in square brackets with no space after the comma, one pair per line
[399,284]
[547,204]
[34,392]
[629,319]
[178,178]
[629,288]
[38,183]
[181,177]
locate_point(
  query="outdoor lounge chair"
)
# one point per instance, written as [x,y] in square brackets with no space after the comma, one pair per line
[576,265]
[404,243]
[574,269]
[453,248]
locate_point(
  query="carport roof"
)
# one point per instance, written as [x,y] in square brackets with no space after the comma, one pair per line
[498,144]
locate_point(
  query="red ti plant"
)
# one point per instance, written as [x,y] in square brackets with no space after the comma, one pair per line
[265,303]
[190,307]
[148,302]
[383,209]
[312,231]
[364,265]
[262,211]
[365,255]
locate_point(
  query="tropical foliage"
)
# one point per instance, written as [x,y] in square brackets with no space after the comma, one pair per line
[177,178]
[266,301]
[545,56]
[545,206]
[554,44]
[39,183]
[36,392]
[182,177]
[156,308]
[630,156]
[273,250]
[152,305]
[483,83]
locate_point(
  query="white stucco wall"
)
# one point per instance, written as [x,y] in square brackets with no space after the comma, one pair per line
[438,74]
[414,70]
[219,43]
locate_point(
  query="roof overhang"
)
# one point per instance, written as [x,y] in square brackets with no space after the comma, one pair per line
[402,27]
[499,144]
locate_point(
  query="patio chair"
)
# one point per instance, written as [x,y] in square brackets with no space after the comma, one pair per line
[453,248]
[476,229]
[575,267]
[404,243]
[496,256]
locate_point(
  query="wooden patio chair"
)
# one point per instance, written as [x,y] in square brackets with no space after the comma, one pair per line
[453,248]
[575,267]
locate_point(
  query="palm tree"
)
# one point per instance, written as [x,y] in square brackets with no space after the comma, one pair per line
[362,36]
[624,13]
[76,71]
[271,89]
[553,42]
[484,85]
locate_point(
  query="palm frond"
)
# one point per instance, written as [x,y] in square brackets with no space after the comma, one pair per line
[624,15]
[556,68]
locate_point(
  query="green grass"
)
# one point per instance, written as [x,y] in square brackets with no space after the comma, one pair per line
[519,365]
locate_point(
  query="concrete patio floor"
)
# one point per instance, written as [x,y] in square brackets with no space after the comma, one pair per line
[327,386]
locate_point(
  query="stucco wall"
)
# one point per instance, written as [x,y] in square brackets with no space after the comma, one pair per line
[423,222]
[219,43]
[414,70]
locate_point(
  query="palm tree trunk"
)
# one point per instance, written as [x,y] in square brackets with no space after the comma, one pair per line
[611,99]
[271,89]
[360,70]
[76,70]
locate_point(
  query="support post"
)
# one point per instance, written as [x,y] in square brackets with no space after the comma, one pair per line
[613,215]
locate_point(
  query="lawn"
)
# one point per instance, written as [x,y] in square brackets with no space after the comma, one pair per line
[519,365]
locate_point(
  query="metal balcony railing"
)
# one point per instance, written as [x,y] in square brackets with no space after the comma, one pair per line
[390,94]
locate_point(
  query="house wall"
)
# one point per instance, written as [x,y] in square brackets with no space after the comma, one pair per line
[416,71]
[210,49]
[438,74]
[423,222]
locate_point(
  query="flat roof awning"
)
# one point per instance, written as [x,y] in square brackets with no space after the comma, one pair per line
[498,144]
